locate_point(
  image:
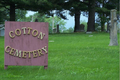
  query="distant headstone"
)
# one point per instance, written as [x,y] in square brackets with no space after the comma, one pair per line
[36,20]
[54,30]
[113,29]
[82,28]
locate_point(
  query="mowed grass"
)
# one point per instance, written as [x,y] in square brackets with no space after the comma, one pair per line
[75,56]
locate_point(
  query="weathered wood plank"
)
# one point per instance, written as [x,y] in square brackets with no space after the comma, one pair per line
[26,43]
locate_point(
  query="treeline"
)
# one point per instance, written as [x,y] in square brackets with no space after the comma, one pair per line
[89,8]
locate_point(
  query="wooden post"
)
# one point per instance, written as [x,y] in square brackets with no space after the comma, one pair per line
[113,29]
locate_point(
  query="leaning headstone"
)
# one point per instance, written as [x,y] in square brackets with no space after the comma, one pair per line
[113,29]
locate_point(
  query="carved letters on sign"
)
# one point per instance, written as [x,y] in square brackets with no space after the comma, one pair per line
[14,52]
[26,31]
[26,43]
[23,54]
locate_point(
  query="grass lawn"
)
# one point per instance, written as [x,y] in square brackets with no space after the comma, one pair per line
[75,56]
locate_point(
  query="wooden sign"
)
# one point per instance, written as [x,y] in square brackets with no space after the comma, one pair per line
[26,43]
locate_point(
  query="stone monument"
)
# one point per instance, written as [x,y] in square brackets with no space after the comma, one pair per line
[113,28]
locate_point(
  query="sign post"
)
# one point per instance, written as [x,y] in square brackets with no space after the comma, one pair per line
[26,43]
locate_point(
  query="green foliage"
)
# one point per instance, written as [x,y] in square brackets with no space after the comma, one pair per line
[20,14]
[103,8]
[3,15]
[70,57]
[57,20]
[69,30]
[46,6]
[40,16]
[101,20]
[28,19]
[97,27]
[32,18]
[43,18]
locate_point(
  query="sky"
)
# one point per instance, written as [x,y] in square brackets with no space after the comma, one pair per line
[69,23]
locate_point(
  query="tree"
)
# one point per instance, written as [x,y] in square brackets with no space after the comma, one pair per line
[57,20]
[3,15]
[103,9]
[11,8]
[91,17]
[40,16]
[20,15]
[45,6]
[10,5]
[88,6]
[70,30]
[75,10]
[75,7]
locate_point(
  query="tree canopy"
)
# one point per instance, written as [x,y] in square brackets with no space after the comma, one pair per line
[75,7]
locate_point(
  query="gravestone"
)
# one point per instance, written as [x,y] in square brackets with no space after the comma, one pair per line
[113,29]
[54,30]
[82,26]
[26,43]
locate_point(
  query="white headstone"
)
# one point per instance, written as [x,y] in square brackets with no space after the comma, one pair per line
[113,29]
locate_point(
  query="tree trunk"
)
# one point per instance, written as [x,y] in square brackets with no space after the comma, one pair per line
[91,18]
[102,27]
[108,26]
[77,21]
[103,22]
[12,12]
